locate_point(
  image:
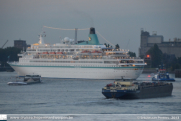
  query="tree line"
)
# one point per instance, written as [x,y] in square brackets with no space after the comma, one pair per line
[8,54]
[157,58]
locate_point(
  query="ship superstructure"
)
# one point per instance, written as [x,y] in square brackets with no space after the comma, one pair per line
[70,59]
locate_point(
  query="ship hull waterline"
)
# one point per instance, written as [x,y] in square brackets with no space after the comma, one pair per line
[81,73]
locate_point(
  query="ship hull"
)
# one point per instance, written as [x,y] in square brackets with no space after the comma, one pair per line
[78,72]
[149,92]
[163,79]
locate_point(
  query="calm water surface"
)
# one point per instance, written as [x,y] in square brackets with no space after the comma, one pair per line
[78,96]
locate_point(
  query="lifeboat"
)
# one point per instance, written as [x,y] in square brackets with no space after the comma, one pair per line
[52,53]
[85,51]
[45,53]
[99,52]
[59,53]
[96,51]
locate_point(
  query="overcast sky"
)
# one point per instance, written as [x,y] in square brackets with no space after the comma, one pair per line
[119,21]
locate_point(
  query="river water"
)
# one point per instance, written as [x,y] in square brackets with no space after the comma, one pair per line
[79,96]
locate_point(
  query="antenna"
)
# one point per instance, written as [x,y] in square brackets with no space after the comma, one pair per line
[128,43]
[76,35]
[154,33]
[4,44]
[60,39]
[142,30]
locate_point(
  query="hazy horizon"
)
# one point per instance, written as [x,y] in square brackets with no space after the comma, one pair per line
[119,21]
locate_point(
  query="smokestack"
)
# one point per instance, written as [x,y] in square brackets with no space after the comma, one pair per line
[92,30]
[93,40]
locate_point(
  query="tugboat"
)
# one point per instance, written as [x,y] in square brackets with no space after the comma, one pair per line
[137,90]
[162,75]
[28,79]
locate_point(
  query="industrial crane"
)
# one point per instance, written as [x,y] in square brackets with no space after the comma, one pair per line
[4,44]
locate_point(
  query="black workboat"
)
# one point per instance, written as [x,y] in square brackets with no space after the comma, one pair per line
[137,90]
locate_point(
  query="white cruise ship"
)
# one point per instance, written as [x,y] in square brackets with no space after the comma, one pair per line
[72,59]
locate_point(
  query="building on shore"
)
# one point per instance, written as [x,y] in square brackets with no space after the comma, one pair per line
[21,44]
[171,47]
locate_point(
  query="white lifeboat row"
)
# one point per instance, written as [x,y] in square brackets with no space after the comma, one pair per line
[94,51]
[85,51]
[51,53]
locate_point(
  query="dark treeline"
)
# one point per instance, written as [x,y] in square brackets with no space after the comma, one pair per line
[157,58]
[9,54]
[132,54]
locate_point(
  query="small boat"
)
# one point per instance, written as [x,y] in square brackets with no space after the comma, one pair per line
[162,75]
[28,79]
[17,83]
[137,90]
[36,78]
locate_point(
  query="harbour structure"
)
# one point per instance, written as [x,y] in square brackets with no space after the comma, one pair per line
[169,47]
[71,59]
[21,44]
[177,73]
[137,90]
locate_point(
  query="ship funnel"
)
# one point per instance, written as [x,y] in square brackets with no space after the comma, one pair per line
[92,30]
[93,39]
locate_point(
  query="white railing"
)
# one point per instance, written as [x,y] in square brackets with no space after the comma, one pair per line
[13,62]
